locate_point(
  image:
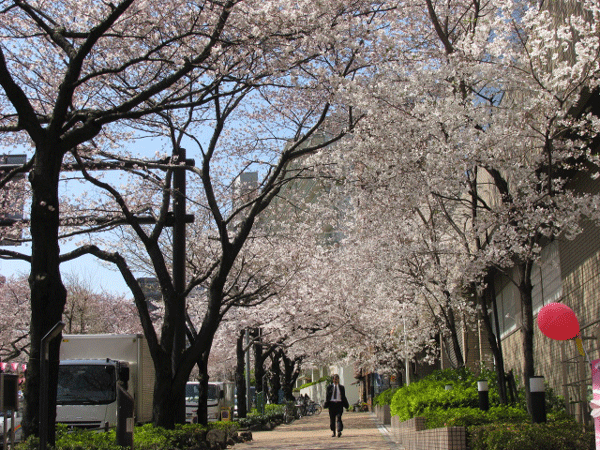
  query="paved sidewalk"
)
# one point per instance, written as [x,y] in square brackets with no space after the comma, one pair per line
[362,431]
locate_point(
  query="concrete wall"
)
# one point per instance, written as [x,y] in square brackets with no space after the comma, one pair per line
[350,383]
[316,392]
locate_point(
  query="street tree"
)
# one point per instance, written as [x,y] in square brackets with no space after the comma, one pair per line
[88,310]
[75,74]
[14,330]
[69,70]
[498,120]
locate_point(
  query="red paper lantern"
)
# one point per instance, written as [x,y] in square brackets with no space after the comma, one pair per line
[558,321]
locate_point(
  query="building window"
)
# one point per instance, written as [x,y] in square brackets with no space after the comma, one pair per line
[547,288]
[546,279]
[508,303]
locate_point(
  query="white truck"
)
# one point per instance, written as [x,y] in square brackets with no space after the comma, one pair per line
[90,366]
[220,402]
[10,410]
[18,432]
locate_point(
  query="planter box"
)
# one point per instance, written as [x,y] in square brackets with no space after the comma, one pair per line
[412,435]
[386,415]
[378,411]
[383,414]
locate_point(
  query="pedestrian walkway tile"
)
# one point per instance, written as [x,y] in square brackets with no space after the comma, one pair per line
[362,431]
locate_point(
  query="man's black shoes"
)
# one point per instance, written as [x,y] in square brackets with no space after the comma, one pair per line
[339,434]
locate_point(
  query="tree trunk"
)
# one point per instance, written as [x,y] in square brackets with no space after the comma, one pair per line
[240,380]
[494,339]
[399,372]
[291,371]
[169,391]
[288,384]
[203,388]
[451,324]
[525,291]
[48,294]
[259,361]
[164,406]
[275,377]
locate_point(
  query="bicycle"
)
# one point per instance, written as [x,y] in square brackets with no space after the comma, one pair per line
[313,408]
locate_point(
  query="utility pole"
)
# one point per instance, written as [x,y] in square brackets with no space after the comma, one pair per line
[248,395]
[179,206]
[177,219]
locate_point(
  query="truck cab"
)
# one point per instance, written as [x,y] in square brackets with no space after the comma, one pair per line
[220,398]
[86,395]
[18,432]
[91,366]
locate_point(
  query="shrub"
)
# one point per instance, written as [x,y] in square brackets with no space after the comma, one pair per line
[467,417]
[502,427]
[561,435]
[429,393]
[273,409]
[146,437]
[385,397]
[273,414]
[76,440]
[325,379]
[149,437]
[88,440]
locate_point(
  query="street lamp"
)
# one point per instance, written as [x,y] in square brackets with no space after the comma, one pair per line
[406,360]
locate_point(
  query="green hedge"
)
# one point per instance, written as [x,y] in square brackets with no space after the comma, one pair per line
[502,427]
[149,437]
[561,435]
[385,397]
[325,379]
[146,437]
[467,417]
[273,414]
[429,393]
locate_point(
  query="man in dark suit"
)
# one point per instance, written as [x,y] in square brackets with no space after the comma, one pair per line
[336,401]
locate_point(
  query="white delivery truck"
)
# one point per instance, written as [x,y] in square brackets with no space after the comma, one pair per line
[18,432]
[220,402]
[90,366]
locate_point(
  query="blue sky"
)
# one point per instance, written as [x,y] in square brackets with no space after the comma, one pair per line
[88,268]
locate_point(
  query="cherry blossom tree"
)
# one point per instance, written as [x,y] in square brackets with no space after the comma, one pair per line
[66,77]
[292,325]
[14,331]
[70,79]
[87,310]
[464,166]
[496,120]
[444,88]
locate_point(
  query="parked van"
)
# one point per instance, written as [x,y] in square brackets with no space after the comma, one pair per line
[220,402]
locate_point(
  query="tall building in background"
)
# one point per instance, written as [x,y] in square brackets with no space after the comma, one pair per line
[12,199]
[245,188]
